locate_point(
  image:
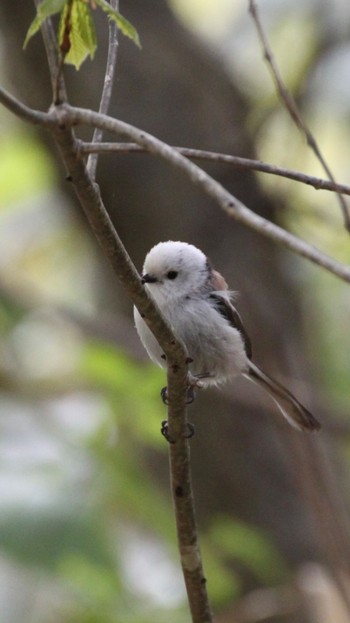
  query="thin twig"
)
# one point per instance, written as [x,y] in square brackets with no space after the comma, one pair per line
[54,59]
[241,163]
[107,87]
[291,106]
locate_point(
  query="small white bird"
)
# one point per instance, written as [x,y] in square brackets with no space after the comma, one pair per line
[196,303]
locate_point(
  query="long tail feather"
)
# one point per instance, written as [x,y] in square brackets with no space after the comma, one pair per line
[290,407]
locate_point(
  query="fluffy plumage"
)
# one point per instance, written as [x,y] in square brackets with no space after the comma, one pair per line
[196,302]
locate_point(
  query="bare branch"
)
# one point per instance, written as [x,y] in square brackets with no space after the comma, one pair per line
[24,112]
[230,204]
[182,492]
[54,59]
[107,87]
[241,163]
[66,115]
[291,106]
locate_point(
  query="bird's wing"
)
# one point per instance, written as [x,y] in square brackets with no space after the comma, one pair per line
[229,312]
[296,414]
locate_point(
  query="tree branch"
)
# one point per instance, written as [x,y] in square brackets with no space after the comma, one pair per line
[291,106]
[54,59]
[24,112]
[182,492]
[241,163]
[107,87]
[177,370]
[66,115]
[230,204]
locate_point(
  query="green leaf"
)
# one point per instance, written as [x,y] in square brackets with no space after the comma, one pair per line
[123,24]
[77,36]
[44,10]
[76,32]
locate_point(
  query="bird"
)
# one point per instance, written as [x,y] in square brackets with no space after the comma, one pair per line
[197,304]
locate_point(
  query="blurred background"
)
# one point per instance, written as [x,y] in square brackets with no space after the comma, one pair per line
[86,526]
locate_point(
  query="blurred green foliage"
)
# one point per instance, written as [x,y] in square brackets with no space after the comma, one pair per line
[25,167]
[132,389]
[247,545]
[47,535]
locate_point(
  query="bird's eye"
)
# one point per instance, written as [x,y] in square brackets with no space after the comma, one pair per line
[172,274]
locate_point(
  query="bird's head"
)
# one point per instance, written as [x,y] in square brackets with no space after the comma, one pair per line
[173,270]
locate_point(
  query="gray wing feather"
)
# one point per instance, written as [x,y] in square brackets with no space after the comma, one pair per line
[226,309]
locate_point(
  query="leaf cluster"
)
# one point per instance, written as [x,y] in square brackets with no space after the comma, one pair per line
[76,30]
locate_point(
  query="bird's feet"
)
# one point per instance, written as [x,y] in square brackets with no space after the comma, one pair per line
[193,382]
[165,432]
[190,395]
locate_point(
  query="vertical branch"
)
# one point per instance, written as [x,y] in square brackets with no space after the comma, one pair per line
[292,108]
[107,87]
[182,492]
[54,60]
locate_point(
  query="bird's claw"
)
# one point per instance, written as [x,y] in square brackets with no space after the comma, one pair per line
[190,395]
[165,431]
[164,396]
[191,430]
[192,383]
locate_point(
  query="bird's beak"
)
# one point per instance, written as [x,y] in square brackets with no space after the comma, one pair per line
[146,278]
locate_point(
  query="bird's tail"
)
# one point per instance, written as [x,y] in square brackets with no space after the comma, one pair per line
[290,407]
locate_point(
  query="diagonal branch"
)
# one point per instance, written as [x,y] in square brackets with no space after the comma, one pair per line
[99,220]
[66,115]
[24,112]
[291,106]
[97,216]
[105,233]
[236,161]
[230,204]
